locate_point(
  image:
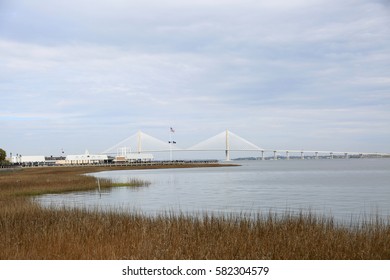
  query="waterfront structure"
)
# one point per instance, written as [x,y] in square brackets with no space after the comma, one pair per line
[124,154]
[28,160]
[145,146]
[86,158]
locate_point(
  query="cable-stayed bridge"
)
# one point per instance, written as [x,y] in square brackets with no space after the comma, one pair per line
[141,142]
[225,141]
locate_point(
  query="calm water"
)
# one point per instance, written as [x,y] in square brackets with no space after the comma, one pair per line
[345,189]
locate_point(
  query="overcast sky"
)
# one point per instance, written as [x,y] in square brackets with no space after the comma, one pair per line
[283,74]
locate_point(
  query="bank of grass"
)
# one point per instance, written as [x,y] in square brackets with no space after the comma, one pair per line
[131,183]
[28,231]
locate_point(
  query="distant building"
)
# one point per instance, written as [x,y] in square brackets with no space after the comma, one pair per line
[50,161]
[85,158]
[134,157]
[28,160]
[124,154]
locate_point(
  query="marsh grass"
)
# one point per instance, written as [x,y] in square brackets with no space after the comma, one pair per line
[28,231]
[131,183]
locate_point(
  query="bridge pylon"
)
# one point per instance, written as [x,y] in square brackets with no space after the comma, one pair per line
[226,141]
[227,147]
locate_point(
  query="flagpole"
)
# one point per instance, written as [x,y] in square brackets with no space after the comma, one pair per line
[170,144]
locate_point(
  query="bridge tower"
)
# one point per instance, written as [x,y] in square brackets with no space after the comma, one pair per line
[139,143]
[227,146]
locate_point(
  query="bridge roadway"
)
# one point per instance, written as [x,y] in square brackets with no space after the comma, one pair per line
[227,142]
[280,152]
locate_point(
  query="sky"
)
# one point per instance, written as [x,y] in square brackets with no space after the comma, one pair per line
[283,74]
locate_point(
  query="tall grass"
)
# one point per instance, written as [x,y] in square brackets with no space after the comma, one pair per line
[131,182]
[36,181]
[28,231]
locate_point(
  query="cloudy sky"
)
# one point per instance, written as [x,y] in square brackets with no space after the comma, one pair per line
[284,74]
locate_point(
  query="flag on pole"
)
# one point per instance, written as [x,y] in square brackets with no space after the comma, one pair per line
[172,130]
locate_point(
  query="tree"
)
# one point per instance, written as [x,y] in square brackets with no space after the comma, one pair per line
[3,155]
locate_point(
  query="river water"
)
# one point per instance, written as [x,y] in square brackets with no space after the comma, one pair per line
[346,189]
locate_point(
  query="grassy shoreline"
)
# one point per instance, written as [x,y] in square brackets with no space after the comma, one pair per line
[28,231]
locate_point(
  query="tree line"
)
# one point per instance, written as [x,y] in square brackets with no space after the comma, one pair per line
[3,156]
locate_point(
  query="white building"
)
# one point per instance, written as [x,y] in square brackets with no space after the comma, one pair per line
[28,159]
[85,158]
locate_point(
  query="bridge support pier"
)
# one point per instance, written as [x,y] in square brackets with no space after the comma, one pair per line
[275,156]
[287,155]
[331,155]
[316,155]
[262,155]
[346,155]
[227,153]
[302,156]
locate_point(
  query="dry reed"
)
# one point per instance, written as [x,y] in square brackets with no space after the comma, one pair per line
[28,231]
